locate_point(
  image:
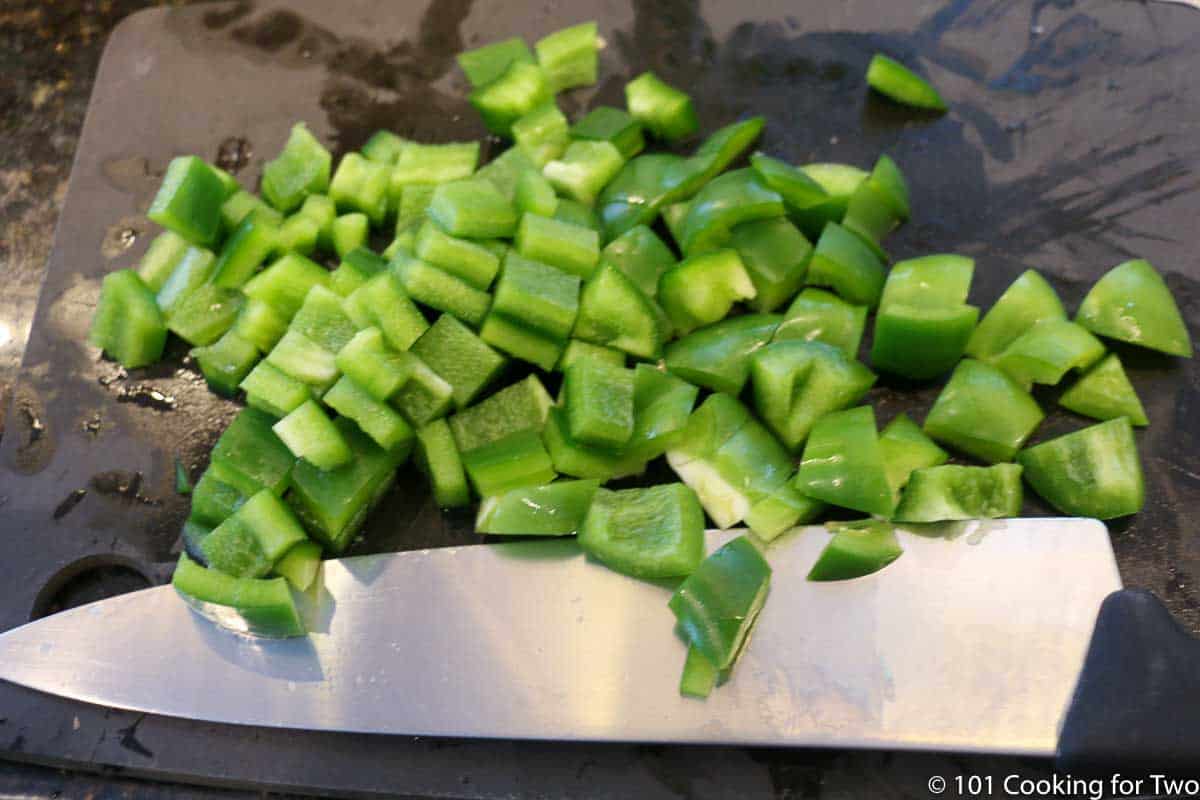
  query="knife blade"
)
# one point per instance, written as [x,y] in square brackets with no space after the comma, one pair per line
[971,641]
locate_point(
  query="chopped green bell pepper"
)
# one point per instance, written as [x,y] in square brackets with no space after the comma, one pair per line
[983,412]
[438,289]
[438,457]
[781,511]
[702,289]
[614,312]
[434,163]
[665,111]
[535,195]
[578,350]
[952,492]
[820,316]
[843,463]
[303,359]
[260,325]
[350,232]
[1048,350]
[608,124]
[1104,392]
[244,252]
[193,270]
[840,182]
[906,449]
[485,64]
[462,258]
[655,532]
[798,190]
[204,315]
[424,397]
[518,407]
[506,169]
[301,169]
[460,357]
[571,248]
[699,675]
[354,270]
[642,256]
[1028,301]
[520,342]
[310,435]
[598,399]
[263,607]
[519,459]
[775,254]
[542,135]
[897,82]
[662,404]
[718,357]
[383,146]
[189,201]
[583,169]
[473,208]
[128,324]
[520,89]
[556,509]
[383,303]
[718,604]
[300,565]
[286,282]
[857,549]
[569,57]
[1132,303]
[1094,472]
[323,320]
[273,391]
[725,201]
[843,262]
[378,420]
[161,258]
[537,296]
[225,362]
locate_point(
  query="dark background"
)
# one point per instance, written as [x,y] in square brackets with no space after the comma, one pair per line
[1093,95]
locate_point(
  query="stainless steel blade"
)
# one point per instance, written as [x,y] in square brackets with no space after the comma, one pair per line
[971,643]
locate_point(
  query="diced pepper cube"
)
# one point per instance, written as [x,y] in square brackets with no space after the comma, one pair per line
[189,201]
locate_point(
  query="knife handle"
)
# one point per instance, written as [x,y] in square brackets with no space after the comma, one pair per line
[1137,703]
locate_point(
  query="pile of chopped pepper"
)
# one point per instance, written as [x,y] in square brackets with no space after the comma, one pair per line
[680,309]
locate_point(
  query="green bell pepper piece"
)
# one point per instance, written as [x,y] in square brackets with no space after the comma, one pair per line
[642,256]
[506,169]
[576,213]
[300,234]
[953,492]
[300,565]
[666,112]
[702,289]
[608,124]
[310,435]
[128,324]
[578,350]
[214,500]
[349,232]
[870,215]
[1027,302]
[437,457]
[485,64]
[843,262]
[514,461]
[798,382]
[383,146]
[440,290]
[1094,472]
[889,182]
[798,190]
[727,200]
[662,404]
[225,362]
[840,182]
[897,82]
[382,302]
[580,460]
[614,312]
[434,163]
[535,195]
[843,463]
[460,357]
[1048,350]
[323,320]
[203,316]
[193,270]
[520,342]
[301,169]
[244,252]
[542,135]
[273,391]
[584,169]
[354,270]
[556,509]
[655,532]
[378,420]
[1132,303]
[775,254]
[906,449]
[286,282]
[518,407]
[537,296]
[260,325]
[189,201]
[161,258]
[820,316]
[699,675]
[424,397]
[522,88]
[857,549]
[242,204]
[321,210]
[303,359]
[923,325]
[472,208]
[332,504]
[718,604]
[569,57]
[598,399]
[263,607]
[718,357]
[780,512]
[462,258]
[983,412]
[570,248]
[249,453]
[1104,392]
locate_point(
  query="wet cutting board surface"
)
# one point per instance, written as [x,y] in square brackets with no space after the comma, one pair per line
[1071,146]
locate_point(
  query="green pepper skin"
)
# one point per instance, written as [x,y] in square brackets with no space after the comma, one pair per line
[1105,393]
[840,182]
[128,324]
[555,509]
[983,412]
[857,549]
[485,64]
[701,290]
[718,604]
[265,607]
[820,316]
[727,200]
[906,449]
[775,254]
[718,357]
[843,463]
[1046,352]
[1028,301]
[1132,303]
[666,112]
[798,190]
[896,81]
[699,675]
[953,492]
[1094,472]
[843,262]
[655,532]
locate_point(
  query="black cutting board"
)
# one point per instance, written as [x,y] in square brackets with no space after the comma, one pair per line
[1070,147]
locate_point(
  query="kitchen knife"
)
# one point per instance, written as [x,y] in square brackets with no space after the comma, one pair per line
[973,640]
